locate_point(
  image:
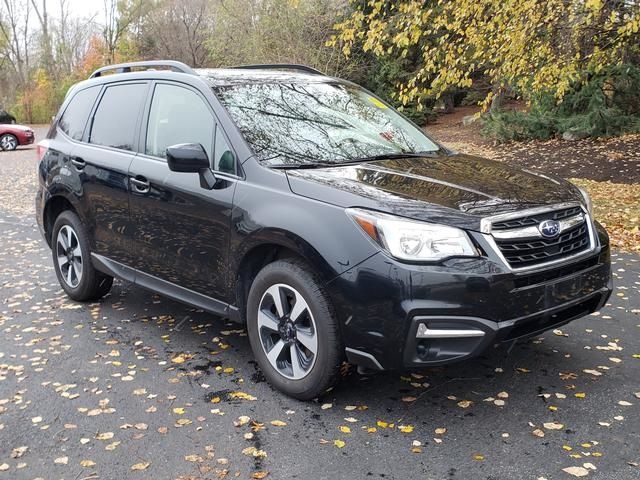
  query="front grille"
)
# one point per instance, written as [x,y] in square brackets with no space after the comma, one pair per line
[521,252]
[536,219]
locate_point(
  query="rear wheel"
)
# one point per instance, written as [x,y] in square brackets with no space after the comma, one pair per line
[72,260]
[293,330]
[8,142]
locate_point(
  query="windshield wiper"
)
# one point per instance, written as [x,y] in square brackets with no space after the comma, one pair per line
[285,166]
[390,156]
[351,161]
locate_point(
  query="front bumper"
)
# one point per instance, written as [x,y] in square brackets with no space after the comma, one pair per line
[397,315]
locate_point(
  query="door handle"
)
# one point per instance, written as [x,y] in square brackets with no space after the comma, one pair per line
[140,184]
[78,162]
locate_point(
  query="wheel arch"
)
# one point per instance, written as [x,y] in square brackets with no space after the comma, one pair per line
[56,204]
[267,247]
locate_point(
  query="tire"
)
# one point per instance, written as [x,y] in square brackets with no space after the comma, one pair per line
[8,142]
[269,331]
[73,265]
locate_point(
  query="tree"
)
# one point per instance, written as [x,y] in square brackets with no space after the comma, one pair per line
[532,46]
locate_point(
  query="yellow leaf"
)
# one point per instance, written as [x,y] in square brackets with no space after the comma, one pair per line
[345,429]
[178,410]
[140,466]
[87,463]
[382,424]
[406,428]
[242,396]
[580,395]
[478,457]
[339,443]
[553,426]
[278,423]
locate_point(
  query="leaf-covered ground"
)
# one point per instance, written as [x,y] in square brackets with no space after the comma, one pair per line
[609,168]
[138,386]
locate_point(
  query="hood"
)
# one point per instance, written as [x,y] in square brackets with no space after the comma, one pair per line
[456,190]
[13,126]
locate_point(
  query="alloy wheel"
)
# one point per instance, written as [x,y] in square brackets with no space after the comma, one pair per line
[8,143]
[287,331]
[69,256]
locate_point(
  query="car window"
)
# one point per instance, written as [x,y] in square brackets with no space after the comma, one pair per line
[306,123]
[178,115]
[224,159]
[75,116]
[114,123]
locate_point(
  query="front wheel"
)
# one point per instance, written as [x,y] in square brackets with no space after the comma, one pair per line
[293,330]
[72,260]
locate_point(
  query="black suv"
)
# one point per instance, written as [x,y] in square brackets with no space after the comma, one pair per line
[309,209]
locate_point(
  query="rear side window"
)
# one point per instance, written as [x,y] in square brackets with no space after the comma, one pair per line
[75,116]
[114,123]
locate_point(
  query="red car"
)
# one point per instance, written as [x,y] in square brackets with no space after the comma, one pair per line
[12,136]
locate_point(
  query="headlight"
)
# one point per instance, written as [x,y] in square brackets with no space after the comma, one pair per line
[587,201]
[413,240]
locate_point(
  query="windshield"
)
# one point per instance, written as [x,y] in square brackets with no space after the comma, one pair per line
[301,124]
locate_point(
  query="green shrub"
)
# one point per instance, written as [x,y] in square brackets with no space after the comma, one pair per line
[606,103]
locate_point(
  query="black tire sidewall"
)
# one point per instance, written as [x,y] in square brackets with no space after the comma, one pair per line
[327,360]
[84,289]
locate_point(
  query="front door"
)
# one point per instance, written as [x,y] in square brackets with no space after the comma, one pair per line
[181,230]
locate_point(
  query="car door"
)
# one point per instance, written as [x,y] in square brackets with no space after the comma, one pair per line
[103,159]
[181,230]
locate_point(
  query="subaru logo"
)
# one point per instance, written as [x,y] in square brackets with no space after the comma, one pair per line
[549,228]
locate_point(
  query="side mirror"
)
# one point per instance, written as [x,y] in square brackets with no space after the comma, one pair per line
[191,158]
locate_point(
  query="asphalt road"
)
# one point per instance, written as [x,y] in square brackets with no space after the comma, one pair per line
[90,391]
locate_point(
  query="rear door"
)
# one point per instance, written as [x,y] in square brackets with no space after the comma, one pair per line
[180,229]
[103,159]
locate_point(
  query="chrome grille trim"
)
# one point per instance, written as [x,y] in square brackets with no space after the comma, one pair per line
[491,236]
[533,232]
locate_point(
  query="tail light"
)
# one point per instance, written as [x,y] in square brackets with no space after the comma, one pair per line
[41,150]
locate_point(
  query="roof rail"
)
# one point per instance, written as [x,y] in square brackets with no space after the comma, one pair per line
[282,66]
[126,67]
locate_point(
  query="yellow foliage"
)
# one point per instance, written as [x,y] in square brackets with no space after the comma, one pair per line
[531,45]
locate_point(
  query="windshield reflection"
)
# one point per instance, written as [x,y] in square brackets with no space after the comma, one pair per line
[293,124]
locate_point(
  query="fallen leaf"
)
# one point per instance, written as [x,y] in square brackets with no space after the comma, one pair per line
[576,471]
[339,443]
[278,423]
[405,428]
[61,460]
[87,463]
[18,452]
[553,426]
[242,396]
[140,466]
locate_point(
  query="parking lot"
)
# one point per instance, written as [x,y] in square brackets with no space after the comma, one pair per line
[139,386]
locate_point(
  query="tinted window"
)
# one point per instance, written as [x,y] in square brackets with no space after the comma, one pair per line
[114,123]
[75,116]
[298,123]
[178,115]
[224,160]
